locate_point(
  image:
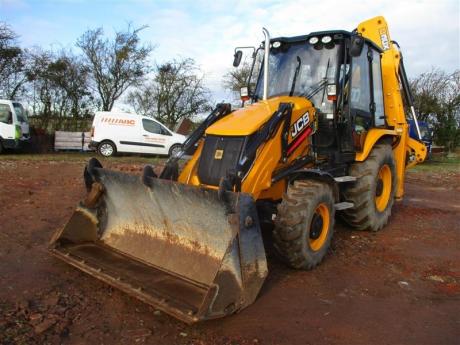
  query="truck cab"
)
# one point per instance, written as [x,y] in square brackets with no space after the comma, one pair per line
[14,125]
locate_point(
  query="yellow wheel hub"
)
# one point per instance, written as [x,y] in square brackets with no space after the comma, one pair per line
[383,190]
[319,227]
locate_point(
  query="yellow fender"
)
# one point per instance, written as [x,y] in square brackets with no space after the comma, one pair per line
[372,137]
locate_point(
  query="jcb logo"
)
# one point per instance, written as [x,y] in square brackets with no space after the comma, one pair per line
[122,122]
[300,124]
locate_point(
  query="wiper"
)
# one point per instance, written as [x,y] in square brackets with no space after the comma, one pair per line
[321,85]
[299,62]
[325,79]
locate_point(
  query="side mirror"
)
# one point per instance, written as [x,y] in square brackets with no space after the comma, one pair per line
[10,118]
[237,58]
[356,45]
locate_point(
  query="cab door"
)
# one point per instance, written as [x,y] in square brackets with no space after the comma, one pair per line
[366,96]
[7,127]
[153,139]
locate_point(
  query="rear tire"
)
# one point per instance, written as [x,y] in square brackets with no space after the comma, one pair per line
[107,149]
[373,193]
[173,149]
[304,224]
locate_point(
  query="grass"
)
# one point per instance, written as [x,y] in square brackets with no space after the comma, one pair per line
[78,157]
[439,164]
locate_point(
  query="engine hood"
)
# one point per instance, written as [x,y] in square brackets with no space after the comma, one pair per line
[248,120]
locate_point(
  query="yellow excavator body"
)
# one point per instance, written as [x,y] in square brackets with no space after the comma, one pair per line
[324,135]
[247,121]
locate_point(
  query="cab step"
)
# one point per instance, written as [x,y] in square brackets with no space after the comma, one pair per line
[343,205]
[342,179]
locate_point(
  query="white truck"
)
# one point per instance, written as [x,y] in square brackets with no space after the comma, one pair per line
[114,132]
[14,125]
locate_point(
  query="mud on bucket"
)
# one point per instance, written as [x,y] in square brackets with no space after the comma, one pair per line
[174,246]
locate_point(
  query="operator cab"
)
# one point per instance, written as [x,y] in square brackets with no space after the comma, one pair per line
[339,72]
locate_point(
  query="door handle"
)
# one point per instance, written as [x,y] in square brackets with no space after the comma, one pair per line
[145,135]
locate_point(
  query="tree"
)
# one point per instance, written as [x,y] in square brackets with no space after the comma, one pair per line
[437,99]
[236,78]
[428,90]
[176,92]
[114,65]
[446,127]
[60,84]
[13,61]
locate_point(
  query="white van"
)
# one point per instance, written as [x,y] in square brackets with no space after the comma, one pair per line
[114,132]
[14,125]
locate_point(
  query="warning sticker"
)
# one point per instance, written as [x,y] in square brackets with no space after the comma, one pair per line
[384,39]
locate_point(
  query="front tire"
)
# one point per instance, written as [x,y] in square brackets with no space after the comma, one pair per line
[107,149]
[374,191]
[174,149]
[304,224]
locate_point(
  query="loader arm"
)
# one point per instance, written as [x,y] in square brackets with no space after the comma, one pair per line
[396,93]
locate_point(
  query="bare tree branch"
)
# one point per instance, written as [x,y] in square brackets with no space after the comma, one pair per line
[116,64]
[176,92]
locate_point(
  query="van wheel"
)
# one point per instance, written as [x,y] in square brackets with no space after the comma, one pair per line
[107,149]
[174,149]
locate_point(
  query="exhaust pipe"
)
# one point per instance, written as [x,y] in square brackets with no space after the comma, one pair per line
[266,56]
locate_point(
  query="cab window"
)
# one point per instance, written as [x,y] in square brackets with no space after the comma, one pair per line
[154,127]
[151,126]
[165,131]
[21,113]
[378,89]
[5,113]
[360,98]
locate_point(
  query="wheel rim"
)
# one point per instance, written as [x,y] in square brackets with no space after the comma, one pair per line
[175,150]
[383,188]
[319,227]
[106,150]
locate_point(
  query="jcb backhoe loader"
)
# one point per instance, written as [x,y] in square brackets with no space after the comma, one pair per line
[324,134]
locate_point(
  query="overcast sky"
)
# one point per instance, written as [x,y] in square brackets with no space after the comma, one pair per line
[427,30]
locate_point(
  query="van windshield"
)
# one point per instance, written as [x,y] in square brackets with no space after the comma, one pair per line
[21,113]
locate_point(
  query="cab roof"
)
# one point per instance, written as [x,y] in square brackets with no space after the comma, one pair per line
[336,34]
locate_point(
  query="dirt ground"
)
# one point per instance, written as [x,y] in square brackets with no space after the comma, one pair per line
[397,286]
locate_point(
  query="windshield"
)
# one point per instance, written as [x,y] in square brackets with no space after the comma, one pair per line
[312,69]
[21,114]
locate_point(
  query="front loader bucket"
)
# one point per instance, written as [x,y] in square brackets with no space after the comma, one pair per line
[177,247]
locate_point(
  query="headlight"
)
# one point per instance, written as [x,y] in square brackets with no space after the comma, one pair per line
[313,40]
[326,39]
[276,44]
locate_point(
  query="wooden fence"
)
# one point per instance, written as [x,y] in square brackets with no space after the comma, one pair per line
[71,141]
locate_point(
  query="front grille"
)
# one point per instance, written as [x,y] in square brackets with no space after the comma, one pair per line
[219,155]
